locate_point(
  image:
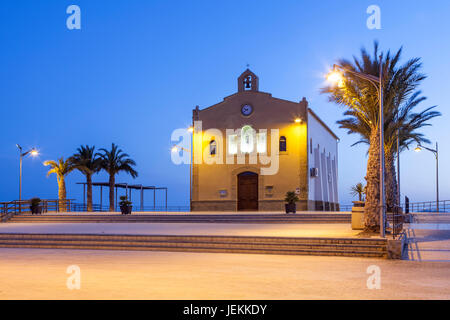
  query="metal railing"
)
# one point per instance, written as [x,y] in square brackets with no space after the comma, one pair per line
[345,207]
[8,209]
[428,206]
[80,207]
[396,220]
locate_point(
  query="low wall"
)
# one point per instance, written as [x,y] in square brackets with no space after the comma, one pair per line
[264,205]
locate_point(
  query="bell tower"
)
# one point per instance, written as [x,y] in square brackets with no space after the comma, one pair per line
[248,81]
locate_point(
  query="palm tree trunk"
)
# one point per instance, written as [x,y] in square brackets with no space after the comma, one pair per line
[62,194]
[112,182]
[89,192]
[391,183]
[371,208]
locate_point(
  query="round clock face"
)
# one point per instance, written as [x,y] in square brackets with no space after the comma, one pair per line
[246,109]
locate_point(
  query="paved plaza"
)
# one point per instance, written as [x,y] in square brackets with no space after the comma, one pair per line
[41,274]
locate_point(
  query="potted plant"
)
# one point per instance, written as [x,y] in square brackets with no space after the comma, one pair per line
[34,206]
[291,199]
[358,217]
[358,190]
[125,205]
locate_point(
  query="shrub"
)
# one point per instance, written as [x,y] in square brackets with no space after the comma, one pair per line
[35,202]
[291,197]
[124,201]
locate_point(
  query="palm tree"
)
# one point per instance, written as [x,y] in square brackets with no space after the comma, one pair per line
[402,123]
[358,190]
[114,161]
[61,168]
[87,163]
[362,103]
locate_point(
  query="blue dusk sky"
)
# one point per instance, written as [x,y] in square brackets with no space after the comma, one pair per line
[136,69]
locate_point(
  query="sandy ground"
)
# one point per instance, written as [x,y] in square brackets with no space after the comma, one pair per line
[41,274]
[237,229]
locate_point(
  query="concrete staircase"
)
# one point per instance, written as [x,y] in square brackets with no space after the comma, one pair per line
[183,218]
[375,248]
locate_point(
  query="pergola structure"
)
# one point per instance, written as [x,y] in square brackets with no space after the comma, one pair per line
[128,188]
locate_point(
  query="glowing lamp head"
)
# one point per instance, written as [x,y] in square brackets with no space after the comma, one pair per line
[191,129]
[418,149]
[174,149]
[34,152]
[336,78]
[298,120]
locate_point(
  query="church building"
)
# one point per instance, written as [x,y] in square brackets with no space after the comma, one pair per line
[251,148]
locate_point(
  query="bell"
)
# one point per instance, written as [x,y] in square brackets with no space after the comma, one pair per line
[247,83]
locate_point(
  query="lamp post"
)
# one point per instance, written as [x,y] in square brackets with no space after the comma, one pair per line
[22,154]
[436,154]
[398,170]
[377,82]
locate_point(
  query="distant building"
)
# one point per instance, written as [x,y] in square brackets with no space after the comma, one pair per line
[251,148]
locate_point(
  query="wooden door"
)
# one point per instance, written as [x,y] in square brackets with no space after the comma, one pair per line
[248,191]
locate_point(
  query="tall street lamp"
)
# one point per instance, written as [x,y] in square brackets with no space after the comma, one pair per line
[337,77]
[436,154]
[32,152]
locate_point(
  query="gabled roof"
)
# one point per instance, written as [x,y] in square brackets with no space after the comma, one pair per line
[323,123]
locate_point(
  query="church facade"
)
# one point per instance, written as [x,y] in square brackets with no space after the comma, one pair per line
[251,148]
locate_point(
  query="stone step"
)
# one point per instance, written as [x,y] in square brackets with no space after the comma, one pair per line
[237,244]
[309,218]
[193,216]
[181,221]
[193,238]
[255,216]
[182,244]
[368,254]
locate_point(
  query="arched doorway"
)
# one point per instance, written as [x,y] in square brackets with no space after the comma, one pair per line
[247,191]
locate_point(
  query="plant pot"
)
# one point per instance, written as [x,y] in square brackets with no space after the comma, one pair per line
[290,207]
[126,209]
[36,209]
[359,203]
[358,218]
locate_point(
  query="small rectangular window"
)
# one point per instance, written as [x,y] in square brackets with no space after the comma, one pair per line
[212,147]
[283,144]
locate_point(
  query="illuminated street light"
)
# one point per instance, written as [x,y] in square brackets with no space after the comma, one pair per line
[298,120]
[336,76]
[436,154]
[33,152]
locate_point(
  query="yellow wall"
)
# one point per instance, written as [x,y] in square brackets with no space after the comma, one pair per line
[269,113]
